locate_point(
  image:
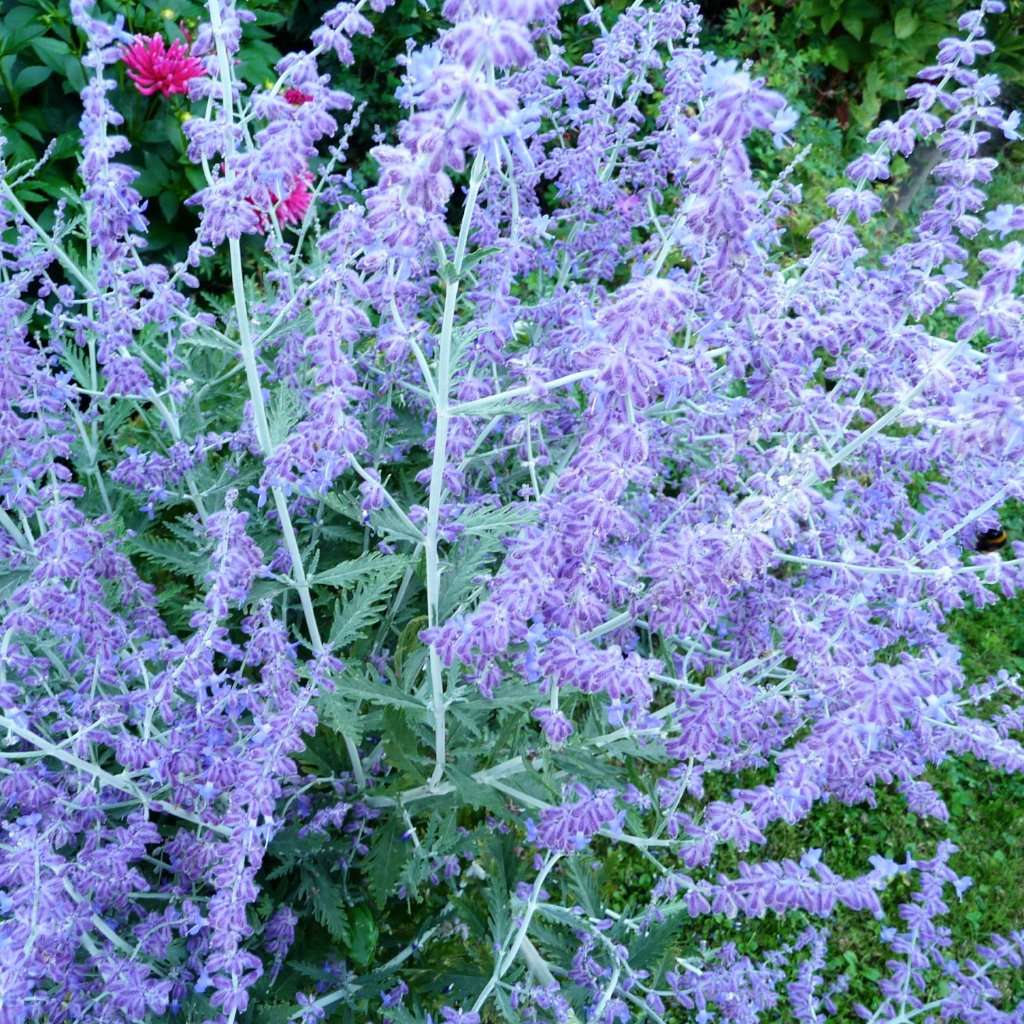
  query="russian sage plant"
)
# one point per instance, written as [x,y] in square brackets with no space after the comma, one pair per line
[375,571]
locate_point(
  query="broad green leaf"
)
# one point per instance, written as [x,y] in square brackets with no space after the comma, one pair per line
[168,204]
[905,23]
[52,52]
[365,935]
[29,78]
[18,17]
[853,25]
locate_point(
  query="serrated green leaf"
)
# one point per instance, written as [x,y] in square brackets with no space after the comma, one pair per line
[650,950]
[496,521]
[467,560]
[325,899]
[372,565]
[386,859]
[336,711]
[284,411]
[168,554]
[583,883]
[475,794]
[377,693]
[363,608]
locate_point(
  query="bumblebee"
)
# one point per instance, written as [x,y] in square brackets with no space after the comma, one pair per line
[990,540]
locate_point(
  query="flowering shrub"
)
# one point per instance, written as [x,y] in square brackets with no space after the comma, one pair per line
[525,504]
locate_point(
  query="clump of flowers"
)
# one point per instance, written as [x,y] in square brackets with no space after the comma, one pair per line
[362,592]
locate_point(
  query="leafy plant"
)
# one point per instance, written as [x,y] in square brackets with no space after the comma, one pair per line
[504,575]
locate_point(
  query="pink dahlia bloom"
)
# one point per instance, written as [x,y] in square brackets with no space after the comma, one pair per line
[292,208]
[155,67]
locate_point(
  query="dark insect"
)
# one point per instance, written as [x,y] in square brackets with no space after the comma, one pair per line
[990,540]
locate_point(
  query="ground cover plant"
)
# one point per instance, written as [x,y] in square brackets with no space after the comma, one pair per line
[527,511]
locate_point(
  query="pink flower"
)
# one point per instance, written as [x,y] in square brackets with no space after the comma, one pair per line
[292,208]
[296,97]
[155,67]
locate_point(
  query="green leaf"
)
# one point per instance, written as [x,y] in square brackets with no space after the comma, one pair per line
[905,23]
[15,40]
[865,10]
[371,566]
[401,746]
[365,935]
[336,711]
[882,35]
[29,129]
[168,554]
[52,52]
[364,607]
[466,562]
[497,520]
[284,412]
[274,1013]
[29,78]
[326,901]
[10,581]
[386,859]
[853,25]
[650,950]
[834,56]
[583,883]
[473,258]
[19,17]
[168,204]
[376,693]
[475,794]
[409,643]
[257,60]
[828,21]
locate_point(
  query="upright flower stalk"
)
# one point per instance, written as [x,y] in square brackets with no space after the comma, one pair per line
[252,377]
[442,414]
